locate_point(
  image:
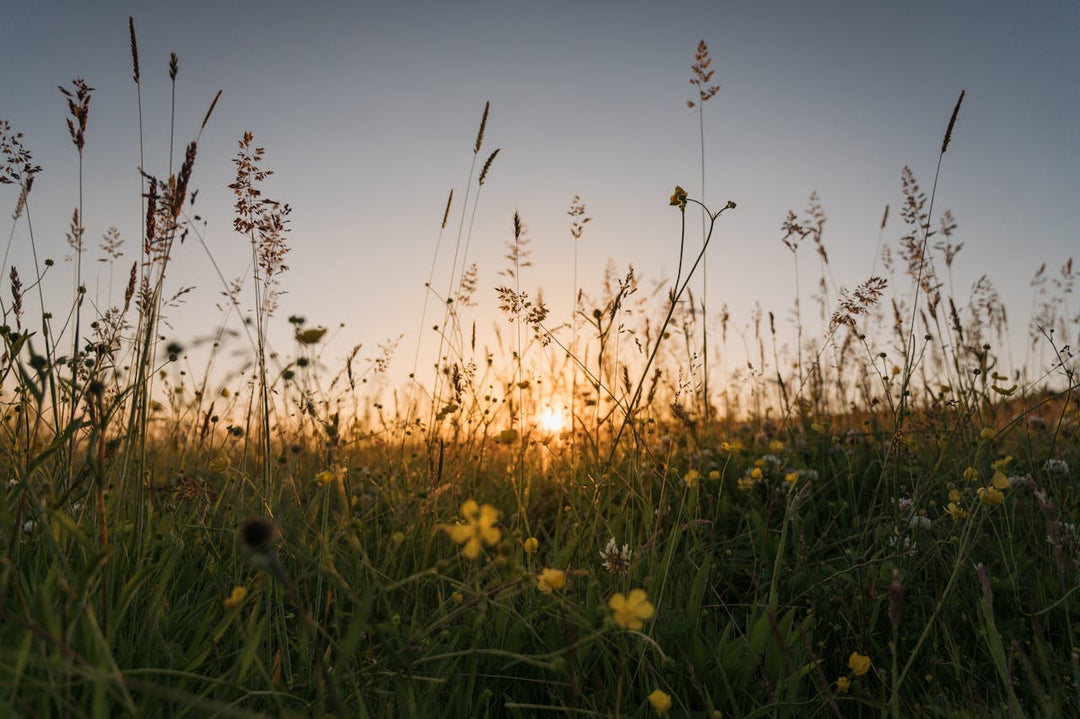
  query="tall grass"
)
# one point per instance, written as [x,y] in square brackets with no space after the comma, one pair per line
[884,521]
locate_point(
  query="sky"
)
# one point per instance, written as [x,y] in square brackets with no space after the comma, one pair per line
[369,113]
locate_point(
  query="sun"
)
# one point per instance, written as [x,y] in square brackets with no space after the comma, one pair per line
[551,420]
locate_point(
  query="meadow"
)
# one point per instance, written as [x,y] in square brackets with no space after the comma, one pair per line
[594,518]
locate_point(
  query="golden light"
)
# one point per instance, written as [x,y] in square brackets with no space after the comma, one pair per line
[551,420]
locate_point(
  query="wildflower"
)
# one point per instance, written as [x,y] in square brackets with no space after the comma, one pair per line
[745,484]
[397,538]
[220,461]
[955,511]
[678,198]
[843,684]
[691,478]
[859,663]
[954,495]
[477,530]
[630,612]
[457,597]
[660,701]
[919,520]
[714,474]
[986,433]
[616,559]
[531,545]
[550,580]
[1002,463]
[324,477]
[1056,466]
[999,480]
[776,446]
[791,478]
[756,473]
[971,474]
[990,496]
[235,598]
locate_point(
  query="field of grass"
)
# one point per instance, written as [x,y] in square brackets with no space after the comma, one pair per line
[874,522]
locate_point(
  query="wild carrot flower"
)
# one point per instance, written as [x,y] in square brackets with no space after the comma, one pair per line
[235,598]
[550,580]
[661,701]
[631,612]
[531,545]
[477,530]
[859,663]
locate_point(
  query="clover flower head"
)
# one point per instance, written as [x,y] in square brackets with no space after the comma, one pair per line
[616,559]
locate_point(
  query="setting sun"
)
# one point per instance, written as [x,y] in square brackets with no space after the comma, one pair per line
[551,420]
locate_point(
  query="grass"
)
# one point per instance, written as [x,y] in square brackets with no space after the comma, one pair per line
[879,524]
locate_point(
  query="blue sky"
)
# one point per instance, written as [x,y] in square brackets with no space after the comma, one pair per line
[369,112]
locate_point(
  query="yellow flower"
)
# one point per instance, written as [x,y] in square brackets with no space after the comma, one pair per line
[550,580]
[1002,463]
[531,545]
[971,474]
[791,478]
[859,663]
[999,480]
[843,684]
[756,473]
[954,495]
[990,496]
[714,474]
[660,701]
[691,478]
[630,612]
[457,597]
[477,530]
[235,598]
[220,461]
[986,433]
[955,510]
[678,198]
[776,445]
[324,477]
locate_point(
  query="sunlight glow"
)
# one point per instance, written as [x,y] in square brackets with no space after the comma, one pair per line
[551,420]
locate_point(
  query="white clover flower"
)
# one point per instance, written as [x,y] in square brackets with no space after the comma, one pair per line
[1056,466]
